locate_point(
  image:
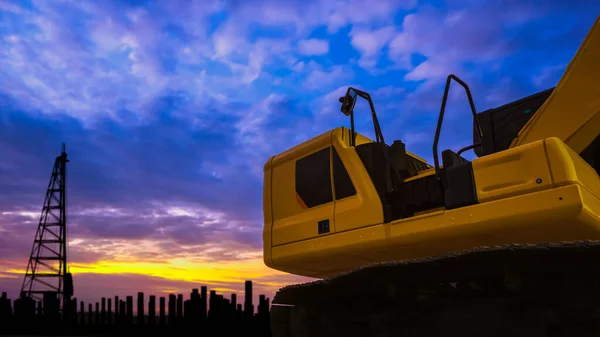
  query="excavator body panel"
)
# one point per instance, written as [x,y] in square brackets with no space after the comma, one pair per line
[357,203]
[538,192]
[297,207]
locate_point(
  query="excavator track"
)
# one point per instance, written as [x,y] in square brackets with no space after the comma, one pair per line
[550,289]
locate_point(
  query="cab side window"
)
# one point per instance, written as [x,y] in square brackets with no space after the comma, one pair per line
[343,185]
[313,178]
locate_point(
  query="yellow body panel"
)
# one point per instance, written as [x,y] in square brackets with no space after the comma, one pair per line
[572,112]
[530,218]
[364,208]
[513,208]
[267,212]
[291,222]
[512,173]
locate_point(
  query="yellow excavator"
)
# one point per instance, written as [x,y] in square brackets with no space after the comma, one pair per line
[507,244]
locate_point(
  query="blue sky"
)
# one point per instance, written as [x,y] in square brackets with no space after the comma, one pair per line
[170,108]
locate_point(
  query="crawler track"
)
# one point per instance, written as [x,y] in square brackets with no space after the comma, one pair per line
[513,290]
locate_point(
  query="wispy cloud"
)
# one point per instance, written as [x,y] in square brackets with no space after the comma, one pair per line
[313,47]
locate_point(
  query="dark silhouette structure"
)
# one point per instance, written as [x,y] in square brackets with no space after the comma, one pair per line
[222,316]
[43,281]
[248,307]
[140,308]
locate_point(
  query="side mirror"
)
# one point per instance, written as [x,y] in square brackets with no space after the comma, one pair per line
[346,104]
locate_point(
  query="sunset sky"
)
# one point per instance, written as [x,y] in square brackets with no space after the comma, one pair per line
[170,109]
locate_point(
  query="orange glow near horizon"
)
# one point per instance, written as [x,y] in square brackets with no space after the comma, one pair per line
[178,269]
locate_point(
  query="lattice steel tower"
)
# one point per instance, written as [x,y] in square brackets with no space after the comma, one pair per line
[47,270]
